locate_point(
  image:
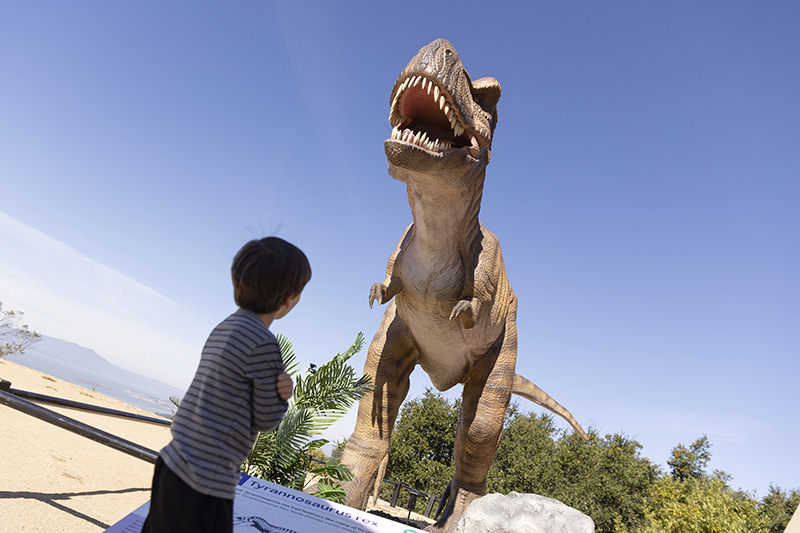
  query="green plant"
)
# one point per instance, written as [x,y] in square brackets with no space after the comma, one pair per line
[320,398]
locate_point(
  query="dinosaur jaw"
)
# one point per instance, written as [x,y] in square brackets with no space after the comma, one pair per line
[426,116]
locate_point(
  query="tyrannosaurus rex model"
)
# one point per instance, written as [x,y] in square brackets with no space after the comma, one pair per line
[453,311]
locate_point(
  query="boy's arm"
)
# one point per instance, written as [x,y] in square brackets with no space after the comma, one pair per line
[285,386]
[269,389]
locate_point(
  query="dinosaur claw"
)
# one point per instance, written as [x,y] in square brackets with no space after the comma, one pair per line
[376,293]
[463,309]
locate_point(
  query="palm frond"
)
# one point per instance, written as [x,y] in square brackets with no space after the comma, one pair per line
[356,347]
[319,400]
[287,353]
[331,491]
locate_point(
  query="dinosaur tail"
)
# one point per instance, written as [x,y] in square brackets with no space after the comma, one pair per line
[526,389]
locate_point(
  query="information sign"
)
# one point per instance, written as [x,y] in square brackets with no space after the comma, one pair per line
[261,506]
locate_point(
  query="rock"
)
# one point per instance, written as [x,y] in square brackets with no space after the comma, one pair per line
[522,513]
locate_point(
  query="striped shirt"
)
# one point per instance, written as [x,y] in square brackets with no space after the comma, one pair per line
[233,396]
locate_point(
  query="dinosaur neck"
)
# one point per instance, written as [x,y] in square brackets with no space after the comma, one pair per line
[446,218]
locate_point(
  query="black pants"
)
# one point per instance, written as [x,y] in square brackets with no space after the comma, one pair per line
[175,507]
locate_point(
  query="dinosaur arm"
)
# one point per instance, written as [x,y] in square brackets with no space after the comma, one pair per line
[383,292]
[487,292]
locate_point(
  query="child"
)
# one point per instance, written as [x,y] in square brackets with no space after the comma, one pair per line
[240,388]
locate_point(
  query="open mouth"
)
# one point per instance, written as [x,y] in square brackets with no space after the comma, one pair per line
[424,115]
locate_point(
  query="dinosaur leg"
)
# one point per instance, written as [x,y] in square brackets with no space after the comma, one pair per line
[487,392]
[390,360]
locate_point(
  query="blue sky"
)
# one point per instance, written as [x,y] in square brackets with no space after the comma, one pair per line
[644,186]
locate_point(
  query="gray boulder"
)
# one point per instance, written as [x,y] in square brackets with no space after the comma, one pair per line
[522,513]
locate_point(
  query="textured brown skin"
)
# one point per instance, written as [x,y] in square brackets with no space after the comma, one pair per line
[451,309]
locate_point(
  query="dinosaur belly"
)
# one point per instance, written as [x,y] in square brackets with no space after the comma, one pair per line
[445,353]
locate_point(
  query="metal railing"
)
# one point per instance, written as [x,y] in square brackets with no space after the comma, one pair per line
[11,398]
[413,495]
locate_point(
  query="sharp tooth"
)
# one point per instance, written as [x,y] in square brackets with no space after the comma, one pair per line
[435,93]
[417,80]
[458,129]
[424,82]
[417,137]
[430,86]
[451,114]
[447,109]
[453,122]
[441,102]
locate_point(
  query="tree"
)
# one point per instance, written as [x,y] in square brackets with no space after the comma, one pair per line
[692,501]
[777,508]
[690,462]
[700,505]
[421,447]
[319,399]
[14,338]
[338,449]
[605,478]
[526,456]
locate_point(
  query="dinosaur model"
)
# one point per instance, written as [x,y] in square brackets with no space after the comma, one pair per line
[451,309]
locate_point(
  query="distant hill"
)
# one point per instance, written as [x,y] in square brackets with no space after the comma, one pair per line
[86,368]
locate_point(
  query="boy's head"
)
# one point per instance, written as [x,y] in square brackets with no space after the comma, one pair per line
[266,272]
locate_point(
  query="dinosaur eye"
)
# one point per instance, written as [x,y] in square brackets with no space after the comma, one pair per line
[447,51]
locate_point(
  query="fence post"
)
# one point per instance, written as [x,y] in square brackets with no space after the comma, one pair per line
[429,508]
[395,494]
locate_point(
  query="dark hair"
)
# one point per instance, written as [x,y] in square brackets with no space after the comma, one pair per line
[266,272]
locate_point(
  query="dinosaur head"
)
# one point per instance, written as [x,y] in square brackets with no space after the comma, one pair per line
[442,121]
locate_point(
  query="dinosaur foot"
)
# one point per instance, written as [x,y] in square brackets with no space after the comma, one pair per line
[458,499]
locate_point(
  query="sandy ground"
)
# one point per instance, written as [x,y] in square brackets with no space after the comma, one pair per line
[55,480]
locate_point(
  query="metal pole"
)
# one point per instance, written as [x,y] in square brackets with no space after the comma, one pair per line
[61,402]
[70,424]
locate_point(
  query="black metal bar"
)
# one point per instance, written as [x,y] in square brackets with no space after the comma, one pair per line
[395,494]
[61,402]
[412,502]
[70,424]
[431,500]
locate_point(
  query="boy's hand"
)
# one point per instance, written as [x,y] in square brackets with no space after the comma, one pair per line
[285,386]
